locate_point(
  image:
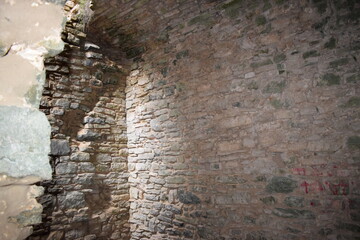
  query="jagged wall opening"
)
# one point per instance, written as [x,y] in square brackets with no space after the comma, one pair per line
[241,120]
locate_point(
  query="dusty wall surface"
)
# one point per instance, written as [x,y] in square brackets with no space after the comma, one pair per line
[242,117]
[241,120]
[29,31]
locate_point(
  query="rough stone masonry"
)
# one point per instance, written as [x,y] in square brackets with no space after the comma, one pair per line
[183,119]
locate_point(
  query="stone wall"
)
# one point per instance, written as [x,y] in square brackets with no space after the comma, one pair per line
[84,100]
[242,121]
[242,117]
[26,38]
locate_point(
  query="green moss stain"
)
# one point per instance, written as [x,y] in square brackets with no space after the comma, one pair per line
[352,102]
[353,142]
[260,64]
[312,53]
[204,19]
[331,44]
[275,87]
[279,58]
[339,62]
[260,20]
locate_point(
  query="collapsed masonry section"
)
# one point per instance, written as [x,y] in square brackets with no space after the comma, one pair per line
[84,100]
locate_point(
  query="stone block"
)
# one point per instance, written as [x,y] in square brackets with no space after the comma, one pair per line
[281,185]
[80,156]
[188,198]
[59,147]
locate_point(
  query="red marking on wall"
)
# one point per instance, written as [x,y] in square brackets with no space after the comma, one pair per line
[306,186]
[312,187]
[339,189]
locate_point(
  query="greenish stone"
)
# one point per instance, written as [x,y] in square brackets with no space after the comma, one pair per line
[188,198]
[232,4]
[330,79]
[312,53]
[331,44]
[261,178]
[348,226]
[293,201]
[293,213]
[353,142]
[276,103]
[353,79]
[260,20]
[279,58]
[352,102]
[281,185]
[260,64]
[275,87]
[268,200]
[204,19]
[182,54]
[339,62]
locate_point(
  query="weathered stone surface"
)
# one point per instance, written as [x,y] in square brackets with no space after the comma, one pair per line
[73,199]
[25,142]
[188,198]
[59,147]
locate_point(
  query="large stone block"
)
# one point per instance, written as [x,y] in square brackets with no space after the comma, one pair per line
[24,142]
